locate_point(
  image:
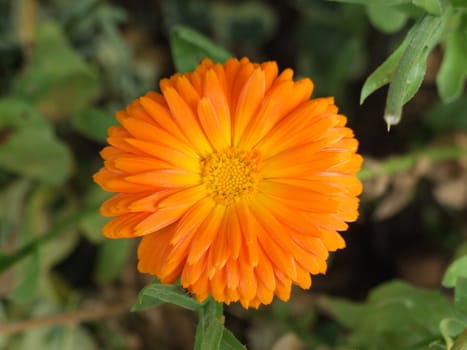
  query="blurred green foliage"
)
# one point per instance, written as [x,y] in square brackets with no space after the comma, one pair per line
[67,66]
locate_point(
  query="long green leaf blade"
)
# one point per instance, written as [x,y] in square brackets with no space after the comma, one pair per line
[158,293]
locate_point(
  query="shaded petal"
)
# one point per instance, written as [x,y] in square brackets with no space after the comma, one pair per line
[152,252]
[123,203]
[160,219]
[247,286]
[113,182]
[124,226]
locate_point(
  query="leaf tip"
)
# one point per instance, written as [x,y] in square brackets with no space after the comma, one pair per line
[391,119]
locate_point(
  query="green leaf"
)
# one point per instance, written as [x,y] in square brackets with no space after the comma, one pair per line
[36,154]
[247,23]
[93,123]
[453,71]
[346,312]
[57,81]
[157,293]
[410,70]
[12,199]
[145,302]
[92,224]
[459,3]
[112,257]
[6,261]
[383,74]
[386,18]
[374,2]
[424,307]
[415,77]
[450,328]
[457,269]
[230,342]
[16,113]
[29,272]
[433,7]
[460,295]
[448,117]
[190,47]
[378,321]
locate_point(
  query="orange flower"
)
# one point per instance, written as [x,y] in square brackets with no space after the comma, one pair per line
[235,179]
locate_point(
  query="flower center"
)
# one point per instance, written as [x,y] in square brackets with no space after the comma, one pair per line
[231,174]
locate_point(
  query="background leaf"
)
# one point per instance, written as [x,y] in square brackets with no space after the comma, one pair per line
[453,71]
[27,286]
[50,163]
[93,123]
[112,258]
[433,7]
[386,18]
[448,116]
[457,269]
[460,297]
[374,2]
[189,47]
[377,321]
[249,23]
[56,73]
[17,113]
[451,328]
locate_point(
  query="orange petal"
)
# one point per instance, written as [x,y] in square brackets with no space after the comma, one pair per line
[249,100]
[124,226]
[248,230]
[187,121]
[165,178]
[206,234]
[160,219]
[167,154]
[215,92]
[161,114]
[216,132]
[278,102]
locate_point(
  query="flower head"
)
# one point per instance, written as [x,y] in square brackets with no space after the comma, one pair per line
[236,180]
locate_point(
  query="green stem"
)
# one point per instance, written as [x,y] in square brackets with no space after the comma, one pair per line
[6,261]
[400,163]
[210,327]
